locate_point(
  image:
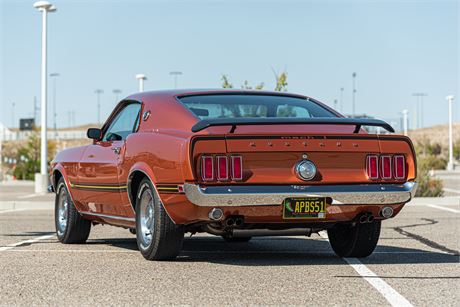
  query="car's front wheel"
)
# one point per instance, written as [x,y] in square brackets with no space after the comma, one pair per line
[158,238]
[358,240]
[70,225]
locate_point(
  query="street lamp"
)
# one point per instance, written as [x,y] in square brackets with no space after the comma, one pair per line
[450,165]
[176,74]
[98,94]
[341,99]
[41,180]
[116,92]
[54,75]
[419,109]
[141,78]
[405,114]
[354,94]
[13,105]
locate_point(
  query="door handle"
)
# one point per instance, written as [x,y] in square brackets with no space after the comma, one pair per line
[116,150]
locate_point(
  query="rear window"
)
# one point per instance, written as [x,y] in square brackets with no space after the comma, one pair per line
[232,106]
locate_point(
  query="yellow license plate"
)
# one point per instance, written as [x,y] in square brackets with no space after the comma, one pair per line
[304,208]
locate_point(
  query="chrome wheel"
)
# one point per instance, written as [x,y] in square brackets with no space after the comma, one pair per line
[147,217]
[63,212]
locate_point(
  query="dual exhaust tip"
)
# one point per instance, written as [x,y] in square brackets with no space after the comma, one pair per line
[217,214]
[367,217]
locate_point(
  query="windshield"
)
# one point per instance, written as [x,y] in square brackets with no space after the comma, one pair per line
[263,106]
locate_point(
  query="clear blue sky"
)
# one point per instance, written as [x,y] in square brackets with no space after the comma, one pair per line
[395,47]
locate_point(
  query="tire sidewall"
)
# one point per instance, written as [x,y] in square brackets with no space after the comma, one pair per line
[146,185]
[61,185]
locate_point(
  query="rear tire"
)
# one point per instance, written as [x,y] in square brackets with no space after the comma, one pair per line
[237,239]
[158,238]
[358,241]
[71,228]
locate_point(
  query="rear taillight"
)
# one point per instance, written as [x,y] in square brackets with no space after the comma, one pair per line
[372,167]
[399,166]
[221,168]
[385,162]
[237,168]
[207,168]
[386,167]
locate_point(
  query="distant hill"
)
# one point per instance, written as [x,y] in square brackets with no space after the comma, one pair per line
[435,134]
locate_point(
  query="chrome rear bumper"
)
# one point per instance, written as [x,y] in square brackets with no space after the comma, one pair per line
[356,194]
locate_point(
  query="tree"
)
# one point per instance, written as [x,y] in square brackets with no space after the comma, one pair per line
[28,157]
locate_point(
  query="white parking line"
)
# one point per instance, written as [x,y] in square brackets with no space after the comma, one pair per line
[29,196]
[391,295]
[444,208]
[451,190]
[12,210]
[11,246]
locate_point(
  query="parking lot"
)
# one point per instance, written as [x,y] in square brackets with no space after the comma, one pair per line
[416,262]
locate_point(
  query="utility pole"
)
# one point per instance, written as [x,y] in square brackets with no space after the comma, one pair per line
[335,104]
[98,94]
[35,110]
[450,164]
[354,94]
[13,104]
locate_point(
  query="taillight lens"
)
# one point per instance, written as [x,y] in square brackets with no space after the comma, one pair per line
[399,167]
[237,168]
[386,167]
[207,168]
[222,168]
[372,167]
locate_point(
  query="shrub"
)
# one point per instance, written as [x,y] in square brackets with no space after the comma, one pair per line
[427,185]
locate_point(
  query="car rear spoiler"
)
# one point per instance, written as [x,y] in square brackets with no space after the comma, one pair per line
[357,122]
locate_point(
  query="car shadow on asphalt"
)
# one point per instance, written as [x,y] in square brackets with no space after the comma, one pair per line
[264,251]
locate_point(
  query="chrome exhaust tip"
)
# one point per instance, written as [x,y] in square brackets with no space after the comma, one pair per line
[216,214]
[386,212]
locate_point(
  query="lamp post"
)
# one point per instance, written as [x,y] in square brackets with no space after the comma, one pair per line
[13,105]
[176,74]
[419,108]
[405,114]
[354,94]
[41,180]
[54,75]
[116,92]
[341,99]
[450,165]
[141,78]
[98,94]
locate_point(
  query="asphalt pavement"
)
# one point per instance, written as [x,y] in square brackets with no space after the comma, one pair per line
[416,263]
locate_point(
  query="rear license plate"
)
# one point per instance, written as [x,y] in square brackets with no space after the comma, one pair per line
[304,208]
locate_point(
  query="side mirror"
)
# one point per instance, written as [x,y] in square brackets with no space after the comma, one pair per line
[94,133]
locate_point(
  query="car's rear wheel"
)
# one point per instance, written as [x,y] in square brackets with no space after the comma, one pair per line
[357,240]
[158,238]
[70,225]
[236,239]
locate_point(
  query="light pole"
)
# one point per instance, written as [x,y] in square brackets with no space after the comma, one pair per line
[41,180]
[354,94]
[13,105]
[341,99]
[335,104]
[405,114]
[116,92]
[141,78]
[450,165]
[98,94]
[176,74]
[54,75]
[419,108]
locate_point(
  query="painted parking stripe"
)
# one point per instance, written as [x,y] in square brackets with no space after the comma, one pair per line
[443,208]
[29,196]
[391,295]
[451,190]
[11,246]
[12,210]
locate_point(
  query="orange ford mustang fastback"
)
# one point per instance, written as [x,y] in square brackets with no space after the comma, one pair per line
[235,164]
